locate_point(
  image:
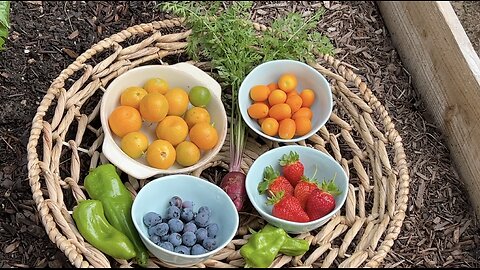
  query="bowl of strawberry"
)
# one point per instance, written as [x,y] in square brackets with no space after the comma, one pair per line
[296,188]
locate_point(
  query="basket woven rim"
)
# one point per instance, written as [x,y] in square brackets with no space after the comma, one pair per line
[48,209]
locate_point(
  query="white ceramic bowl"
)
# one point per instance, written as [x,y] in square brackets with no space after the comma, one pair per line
[155,196]
[182,75]
[307,77]
[326,166]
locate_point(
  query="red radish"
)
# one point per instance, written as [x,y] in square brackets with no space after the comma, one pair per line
[233,183]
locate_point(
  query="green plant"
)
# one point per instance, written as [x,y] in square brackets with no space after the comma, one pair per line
[4,21]
[226,37]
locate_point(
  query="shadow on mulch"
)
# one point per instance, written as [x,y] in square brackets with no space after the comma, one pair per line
[439,229]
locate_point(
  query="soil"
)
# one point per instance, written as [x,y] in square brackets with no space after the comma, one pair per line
[440,229]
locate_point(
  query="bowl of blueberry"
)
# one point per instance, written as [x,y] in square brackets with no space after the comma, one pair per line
[184,220]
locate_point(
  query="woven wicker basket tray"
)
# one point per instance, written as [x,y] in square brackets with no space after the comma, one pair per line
[66,138]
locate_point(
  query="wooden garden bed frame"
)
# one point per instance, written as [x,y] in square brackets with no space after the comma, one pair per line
[445,70]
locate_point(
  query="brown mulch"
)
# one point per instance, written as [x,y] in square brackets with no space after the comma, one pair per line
[440,229]
[467,12]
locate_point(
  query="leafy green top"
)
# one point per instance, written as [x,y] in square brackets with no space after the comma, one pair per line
[4,21]
[227,38]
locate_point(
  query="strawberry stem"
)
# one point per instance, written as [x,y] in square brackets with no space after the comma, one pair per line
[315,173]
[275,197]
[311,179]
[289,158]
[330,186]
[269,174]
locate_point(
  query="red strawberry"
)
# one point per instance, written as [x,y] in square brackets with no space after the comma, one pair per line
[322,201]
[292,168]
[272,181]
[288,208]
[303,189]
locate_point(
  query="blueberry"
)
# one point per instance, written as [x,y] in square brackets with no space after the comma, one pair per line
[167,246]
[173,212]
[187,204]
[151,218]
[189,239]
[153,230]
[175,239]
[175,201]
[159,229]
[201,234]
[212,230]
[164,238]
[201,220]
[210,244]
[155,239]
[182,250]
[205,209]
[190,227]
[187,214]
[198,249]
[176,225]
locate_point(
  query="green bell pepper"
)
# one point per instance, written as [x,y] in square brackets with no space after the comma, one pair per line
[94,227]
[263,246]
[104,184]
[291,246]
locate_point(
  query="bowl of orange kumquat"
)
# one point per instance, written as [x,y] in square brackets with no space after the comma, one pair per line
[285,100]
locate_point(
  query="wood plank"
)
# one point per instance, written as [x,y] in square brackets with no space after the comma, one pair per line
[445,71]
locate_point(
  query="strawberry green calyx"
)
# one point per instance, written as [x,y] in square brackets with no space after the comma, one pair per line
[330,187]
[290,158]
[311,181]
[275,198]
[269,175]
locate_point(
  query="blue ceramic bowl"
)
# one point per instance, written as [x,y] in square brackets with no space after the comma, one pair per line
[307,77]
[327,168]
[155,196]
